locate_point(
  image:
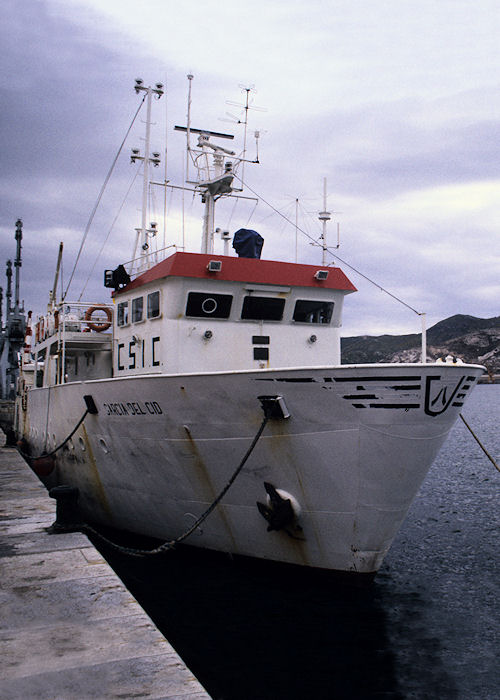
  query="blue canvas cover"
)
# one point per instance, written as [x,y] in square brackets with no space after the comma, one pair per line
[248,243]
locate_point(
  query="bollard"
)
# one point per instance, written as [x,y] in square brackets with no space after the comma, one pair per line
[10,438]
[68,517]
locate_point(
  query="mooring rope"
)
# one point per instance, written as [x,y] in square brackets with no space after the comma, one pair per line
[334,255]
[56,449]
[170,544]
[479,443]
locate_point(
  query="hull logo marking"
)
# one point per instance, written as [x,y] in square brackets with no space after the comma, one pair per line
[436,395]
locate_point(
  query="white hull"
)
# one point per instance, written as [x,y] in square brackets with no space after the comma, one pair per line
[357,446]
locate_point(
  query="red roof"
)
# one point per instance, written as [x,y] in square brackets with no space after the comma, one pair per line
[242,270]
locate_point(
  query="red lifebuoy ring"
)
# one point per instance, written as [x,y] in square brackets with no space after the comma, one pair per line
[98,326]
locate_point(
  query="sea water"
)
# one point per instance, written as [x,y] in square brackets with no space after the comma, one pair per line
[428,627]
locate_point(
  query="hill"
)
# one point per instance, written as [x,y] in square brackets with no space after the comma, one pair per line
[472,339]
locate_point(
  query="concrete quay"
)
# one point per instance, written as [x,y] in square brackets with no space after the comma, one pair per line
[69,629]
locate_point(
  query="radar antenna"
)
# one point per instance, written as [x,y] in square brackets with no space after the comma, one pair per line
[215,166]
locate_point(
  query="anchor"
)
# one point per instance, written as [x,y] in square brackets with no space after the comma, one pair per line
[279,512]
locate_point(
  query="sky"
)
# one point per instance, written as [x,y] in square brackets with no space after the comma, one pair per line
[395,102]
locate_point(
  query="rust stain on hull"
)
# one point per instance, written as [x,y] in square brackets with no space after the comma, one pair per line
[202,470]
[281,451]
[93,471]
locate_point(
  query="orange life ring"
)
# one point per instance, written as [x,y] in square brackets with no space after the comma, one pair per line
[100,325]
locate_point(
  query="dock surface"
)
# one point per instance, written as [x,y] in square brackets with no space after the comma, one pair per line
[69,629]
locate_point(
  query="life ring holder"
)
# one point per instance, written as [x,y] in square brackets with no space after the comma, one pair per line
[98,326]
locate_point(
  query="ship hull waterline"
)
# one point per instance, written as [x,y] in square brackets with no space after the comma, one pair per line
[352,455]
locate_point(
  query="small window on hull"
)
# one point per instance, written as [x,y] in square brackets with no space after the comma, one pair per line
[137,309]
[307,311]
[263,308]
[122,315]
[204,305]
[154,305]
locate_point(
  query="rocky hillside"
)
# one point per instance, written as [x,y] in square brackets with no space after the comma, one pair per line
[472,339]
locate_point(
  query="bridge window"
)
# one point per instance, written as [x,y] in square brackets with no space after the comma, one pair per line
[137,309]
[307,311]
[154,305]
[205,305]
[263,308]
[122,315]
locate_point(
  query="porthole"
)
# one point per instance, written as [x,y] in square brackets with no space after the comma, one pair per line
[209,305]
[103,446]
[200,305]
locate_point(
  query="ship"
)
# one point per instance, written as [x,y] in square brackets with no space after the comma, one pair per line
[207,404]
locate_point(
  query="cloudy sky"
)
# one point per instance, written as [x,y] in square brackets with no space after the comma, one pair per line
[395,102]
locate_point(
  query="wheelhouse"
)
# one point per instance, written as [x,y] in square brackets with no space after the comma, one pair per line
[188,314]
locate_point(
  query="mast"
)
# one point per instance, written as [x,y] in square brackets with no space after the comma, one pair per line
[214,180]
[145,179]
[208,224]
[324,216]
[424,339]
[8,274]
[188,122]
[17,261]
[214,188]
[144,233]
[53,293]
